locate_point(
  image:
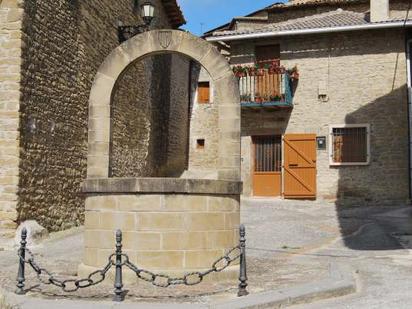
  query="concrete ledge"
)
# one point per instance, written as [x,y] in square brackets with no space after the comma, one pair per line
[161,185]
[340,282]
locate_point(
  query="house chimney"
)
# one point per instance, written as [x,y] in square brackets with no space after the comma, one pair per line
[379,10]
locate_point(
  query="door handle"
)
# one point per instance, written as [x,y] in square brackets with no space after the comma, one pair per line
[293,165]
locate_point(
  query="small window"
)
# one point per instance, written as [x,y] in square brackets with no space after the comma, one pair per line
[349,145]
[200,144]
[203,92]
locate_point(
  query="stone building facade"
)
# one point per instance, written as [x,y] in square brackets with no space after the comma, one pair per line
[347,78]
[50,53]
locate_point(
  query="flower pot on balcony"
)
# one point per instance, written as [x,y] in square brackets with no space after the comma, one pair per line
[258,99]
[260,72]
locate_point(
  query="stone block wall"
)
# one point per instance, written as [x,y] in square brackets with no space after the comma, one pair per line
[11,12]
[365,78]
[162,232]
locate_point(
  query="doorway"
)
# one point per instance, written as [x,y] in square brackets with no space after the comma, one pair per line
[267,167]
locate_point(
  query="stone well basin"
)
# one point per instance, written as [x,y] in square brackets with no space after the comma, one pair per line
[169,225]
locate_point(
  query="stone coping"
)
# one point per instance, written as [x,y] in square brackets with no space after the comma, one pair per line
[161,185]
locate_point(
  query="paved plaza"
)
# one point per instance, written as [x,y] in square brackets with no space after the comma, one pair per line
[290,243]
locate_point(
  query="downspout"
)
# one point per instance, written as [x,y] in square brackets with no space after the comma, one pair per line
[408,42]
[409,90]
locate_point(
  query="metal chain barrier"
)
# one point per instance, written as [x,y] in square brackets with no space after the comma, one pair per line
[67,285]
[192,278]
[119,259]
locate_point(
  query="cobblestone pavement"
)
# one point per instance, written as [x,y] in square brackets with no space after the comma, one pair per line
[289,243]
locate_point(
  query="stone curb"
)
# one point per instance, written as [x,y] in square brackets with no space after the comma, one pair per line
[340,282]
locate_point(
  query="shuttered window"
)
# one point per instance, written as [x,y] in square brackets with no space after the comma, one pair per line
[203,92]
[349,145]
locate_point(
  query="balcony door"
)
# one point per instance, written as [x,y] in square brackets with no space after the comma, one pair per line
[267,170]
[267,84]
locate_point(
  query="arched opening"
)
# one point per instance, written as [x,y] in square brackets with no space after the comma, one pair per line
[162,107]
[163,53]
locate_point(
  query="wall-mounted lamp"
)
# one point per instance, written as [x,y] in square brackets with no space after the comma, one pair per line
[147,13]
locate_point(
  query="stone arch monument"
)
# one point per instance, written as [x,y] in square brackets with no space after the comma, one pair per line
[171,225]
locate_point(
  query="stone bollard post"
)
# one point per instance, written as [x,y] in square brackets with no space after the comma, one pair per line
[118,281]
[22,257]
[242,272]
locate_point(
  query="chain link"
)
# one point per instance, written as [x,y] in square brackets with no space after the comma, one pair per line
[68,285]
[159,280]
[193,278]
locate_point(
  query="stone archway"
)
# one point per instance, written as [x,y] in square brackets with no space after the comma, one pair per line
[155,42]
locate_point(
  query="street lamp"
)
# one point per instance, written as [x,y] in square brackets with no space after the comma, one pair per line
[147,12]
[127,32]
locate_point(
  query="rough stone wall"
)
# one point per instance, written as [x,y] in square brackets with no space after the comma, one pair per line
[178,144]
[131,122]
[204,125]
[150,118]
[64,44]
[53,121]
[365,78]
[10,61]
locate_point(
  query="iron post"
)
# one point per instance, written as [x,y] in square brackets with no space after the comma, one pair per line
[118,282]
[22,257]
[242,271]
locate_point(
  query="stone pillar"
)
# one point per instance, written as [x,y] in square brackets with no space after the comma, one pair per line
[10,62]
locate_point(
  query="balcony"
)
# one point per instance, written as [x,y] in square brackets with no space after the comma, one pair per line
[269,86]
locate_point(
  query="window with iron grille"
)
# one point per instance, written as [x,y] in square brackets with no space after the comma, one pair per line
[349,144]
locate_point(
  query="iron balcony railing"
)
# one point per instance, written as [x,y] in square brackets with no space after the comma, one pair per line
[265,88]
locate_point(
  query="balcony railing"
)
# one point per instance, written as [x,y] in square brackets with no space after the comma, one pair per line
[265,87]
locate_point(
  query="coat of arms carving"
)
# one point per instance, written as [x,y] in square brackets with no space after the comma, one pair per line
[165,38]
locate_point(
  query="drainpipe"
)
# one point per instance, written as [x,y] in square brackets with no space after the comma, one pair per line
[409,79]
[409,90]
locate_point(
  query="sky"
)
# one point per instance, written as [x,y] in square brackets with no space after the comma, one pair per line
[204,15]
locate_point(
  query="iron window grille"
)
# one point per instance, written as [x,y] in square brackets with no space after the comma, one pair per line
[349,144]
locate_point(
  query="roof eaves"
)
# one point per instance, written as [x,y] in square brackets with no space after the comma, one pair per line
[298,5]
[254,35]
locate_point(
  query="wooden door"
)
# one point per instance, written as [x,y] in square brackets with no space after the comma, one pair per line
[299,169]
[267,173]
[267,85]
